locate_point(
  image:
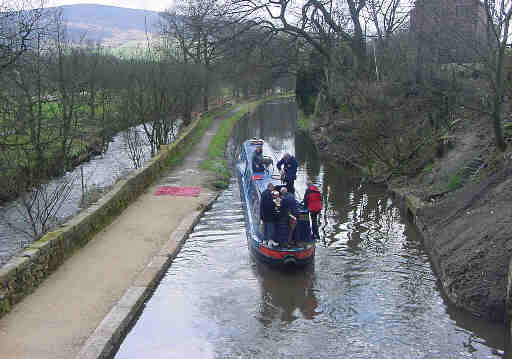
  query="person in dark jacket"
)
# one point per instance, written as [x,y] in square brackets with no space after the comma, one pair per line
[288,206]
[288,202]
[257,160]
[289,170]
[268,215]
[313,201]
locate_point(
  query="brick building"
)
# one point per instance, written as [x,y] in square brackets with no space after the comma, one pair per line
[451,30]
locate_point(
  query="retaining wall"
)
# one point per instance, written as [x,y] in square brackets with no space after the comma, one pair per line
[23,273]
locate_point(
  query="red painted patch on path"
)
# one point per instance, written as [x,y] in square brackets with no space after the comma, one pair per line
[178,191]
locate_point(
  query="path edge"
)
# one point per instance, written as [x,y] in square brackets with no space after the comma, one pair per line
[108,336]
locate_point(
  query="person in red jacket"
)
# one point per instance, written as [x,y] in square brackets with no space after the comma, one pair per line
[313,201]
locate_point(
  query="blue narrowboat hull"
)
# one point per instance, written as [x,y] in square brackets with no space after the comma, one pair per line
[252,184]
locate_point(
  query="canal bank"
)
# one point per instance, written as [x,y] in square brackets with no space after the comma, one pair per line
[460,203]
[56,320]
[476,276]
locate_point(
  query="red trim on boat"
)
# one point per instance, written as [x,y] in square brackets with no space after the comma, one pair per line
[273,254]
[306,253]
[257,177]
[281,255]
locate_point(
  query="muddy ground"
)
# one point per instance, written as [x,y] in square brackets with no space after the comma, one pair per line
[467,231]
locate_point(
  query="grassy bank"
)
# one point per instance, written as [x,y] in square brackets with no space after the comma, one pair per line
[304,122]
[217,161]
[204,124]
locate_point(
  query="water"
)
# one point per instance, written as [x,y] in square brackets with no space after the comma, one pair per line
[370,294]
[98,174]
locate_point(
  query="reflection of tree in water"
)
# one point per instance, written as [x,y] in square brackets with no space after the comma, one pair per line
[275,132]
[364,212]
[282,125]
[285,295]
[307,156]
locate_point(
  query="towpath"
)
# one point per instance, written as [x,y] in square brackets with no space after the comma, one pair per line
[55,321]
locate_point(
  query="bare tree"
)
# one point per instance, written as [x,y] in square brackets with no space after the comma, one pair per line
[498,14]
[474,35]
[27,116]
[19,24]
[195,25]
[323,24]
[38,207]
[387,18]
[153,98]
[68,81]
[136,144]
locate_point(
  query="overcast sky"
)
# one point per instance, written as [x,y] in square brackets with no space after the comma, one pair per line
[155,5]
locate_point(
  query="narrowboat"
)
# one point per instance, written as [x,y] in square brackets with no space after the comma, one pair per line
[293,245]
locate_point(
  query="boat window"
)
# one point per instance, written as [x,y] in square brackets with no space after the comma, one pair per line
[242,162]
[255,202]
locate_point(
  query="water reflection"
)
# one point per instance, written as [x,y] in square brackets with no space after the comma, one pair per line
[286,296]
[307,156]
[275,123]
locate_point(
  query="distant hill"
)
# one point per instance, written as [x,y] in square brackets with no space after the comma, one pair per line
[112,26]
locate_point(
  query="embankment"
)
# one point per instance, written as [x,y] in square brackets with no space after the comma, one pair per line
[23,273]
[467,237]
[466,231]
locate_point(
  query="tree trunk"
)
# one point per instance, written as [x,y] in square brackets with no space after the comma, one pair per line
[205,101]
[498,100]
[500,87]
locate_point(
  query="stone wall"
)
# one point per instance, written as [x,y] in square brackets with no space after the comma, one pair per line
[23,273]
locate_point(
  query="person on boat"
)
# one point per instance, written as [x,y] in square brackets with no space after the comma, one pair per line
[268,214]
[289,170]
[277,199]
[313,201]
[258,164]
[288,208]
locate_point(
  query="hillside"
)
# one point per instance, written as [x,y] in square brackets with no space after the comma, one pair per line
[110,25]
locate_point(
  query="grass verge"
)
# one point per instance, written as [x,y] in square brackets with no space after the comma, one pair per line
[304,122]
[217,161]
[204,124]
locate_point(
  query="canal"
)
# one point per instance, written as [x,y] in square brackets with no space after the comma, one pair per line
[370,294]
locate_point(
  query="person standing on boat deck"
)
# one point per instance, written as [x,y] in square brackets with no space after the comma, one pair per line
[289,171]
[313,201]
[257,160]
[288,206]
[268,214]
